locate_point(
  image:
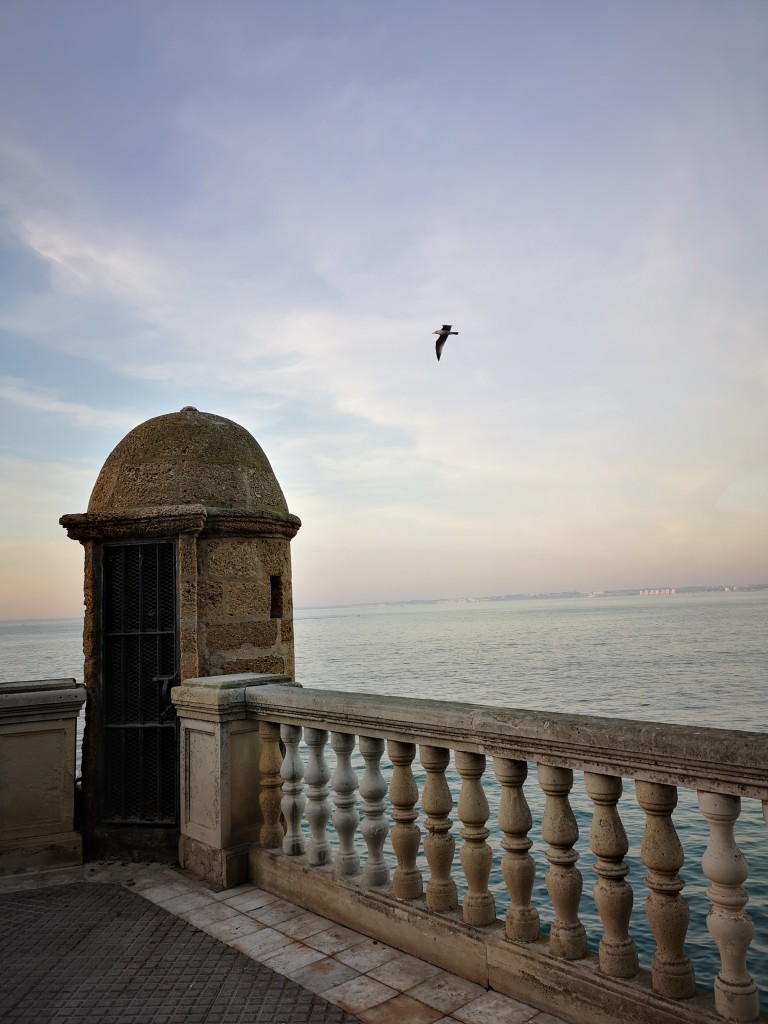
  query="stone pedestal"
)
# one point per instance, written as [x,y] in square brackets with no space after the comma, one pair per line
[38,731]
[219,780]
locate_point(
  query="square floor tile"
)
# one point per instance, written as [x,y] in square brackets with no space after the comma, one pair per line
[165,891]
[257,944]
[236,890]
[323,974]
[277,912]
[546,1018]
[399,1010]
[366,955]
[498,1008]
[301,927]
[331,940]
[292,958]
[150,879]
[233,928]
[189,901]
[200,916]
[446,992]
[359,994]
[404,972]
[248,901]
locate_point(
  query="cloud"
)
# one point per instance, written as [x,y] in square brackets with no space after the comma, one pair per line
[36,494]
[17,392]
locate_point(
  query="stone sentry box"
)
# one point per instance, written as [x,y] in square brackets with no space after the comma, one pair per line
[187,575]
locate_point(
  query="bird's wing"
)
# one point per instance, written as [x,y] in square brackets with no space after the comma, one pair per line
[439,345]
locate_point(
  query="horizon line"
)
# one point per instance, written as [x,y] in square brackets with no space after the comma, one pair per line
[479,599]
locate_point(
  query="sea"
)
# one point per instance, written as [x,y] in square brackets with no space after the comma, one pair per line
[692,659]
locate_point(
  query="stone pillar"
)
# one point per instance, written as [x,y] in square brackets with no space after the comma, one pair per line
[219,780]
[38,728]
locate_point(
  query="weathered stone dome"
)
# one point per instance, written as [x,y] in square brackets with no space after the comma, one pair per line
[188,457]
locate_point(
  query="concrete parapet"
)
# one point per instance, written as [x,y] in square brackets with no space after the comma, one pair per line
[38,730]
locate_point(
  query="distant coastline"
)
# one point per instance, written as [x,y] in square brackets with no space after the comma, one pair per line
[663,591]
[650,592]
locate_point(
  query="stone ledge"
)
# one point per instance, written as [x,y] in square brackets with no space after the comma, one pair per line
[221,698]
[37,700]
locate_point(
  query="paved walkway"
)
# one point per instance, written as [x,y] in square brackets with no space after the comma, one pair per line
[151,945]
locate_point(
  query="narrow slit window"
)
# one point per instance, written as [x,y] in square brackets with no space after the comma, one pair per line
[276,597]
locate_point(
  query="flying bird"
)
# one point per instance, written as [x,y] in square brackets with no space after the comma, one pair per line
[442,334]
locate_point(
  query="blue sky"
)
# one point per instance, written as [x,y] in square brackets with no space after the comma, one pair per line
[264,211]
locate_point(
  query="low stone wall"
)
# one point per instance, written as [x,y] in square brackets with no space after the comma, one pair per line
[38,733]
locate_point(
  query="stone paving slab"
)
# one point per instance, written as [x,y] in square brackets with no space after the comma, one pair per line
[102,954]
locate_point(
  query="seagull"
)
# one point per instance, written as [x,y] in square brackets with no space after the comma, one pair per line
[443,333]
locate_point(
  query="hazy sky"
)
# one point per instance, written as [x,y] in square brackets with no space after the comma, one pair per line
[264,210]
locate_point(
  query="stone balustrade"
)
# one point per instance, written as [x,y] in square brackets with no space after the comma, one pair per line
[324,848]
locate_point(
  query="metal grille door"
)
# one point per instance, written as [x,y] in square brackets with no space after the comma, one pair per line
[139,667]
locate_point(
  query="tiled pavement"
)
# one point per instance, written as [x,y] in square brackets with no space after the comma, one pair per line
[158,947]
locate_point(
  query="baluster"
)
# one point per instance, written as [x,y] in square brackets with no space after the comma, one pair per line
[662,853]
[478,906]
[374,825]
[294,801]
[567,938]
[439,844]
[517,866]
[345,816]
[318,806]
[403,793]
[613,896]
[736,996]
[270,762]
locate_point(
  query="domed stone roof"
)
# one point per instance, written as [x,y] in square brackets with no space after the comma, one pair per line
[188,457]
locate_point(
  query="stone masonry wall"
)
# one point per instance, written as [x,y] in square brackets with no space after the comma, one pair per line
[244,607]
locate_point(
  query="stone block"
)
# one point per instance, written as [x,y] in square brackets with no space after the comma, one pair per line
[274,665]
[210,599]
[234,635]
[187,555]
[188,599]
[231,559]
[224,869]
[274,557]
[247,598]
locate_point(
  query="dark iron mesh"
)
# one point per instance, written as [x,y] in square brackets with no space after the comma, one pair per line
[140,749]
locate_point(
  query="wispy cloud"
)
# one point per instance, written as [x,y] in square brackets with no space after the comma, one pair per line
[17,392]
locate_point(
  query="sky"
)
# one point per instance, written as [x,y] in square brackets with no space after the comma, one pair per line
[265,210]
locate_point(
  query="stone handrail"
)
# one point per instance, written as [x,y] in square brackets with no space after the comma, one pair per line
[278,815]
[721,760]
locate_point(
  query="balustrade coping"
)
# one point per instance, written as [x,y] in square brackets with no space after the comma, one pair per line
[705,758]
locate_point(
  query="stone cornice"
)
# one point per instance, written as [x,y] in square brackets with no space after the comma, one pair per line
[171,520]
[40,699]
[221,698]
[716,760]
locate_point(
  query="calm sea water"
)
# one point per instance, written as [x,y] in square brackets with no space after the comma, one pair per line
[699,659]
